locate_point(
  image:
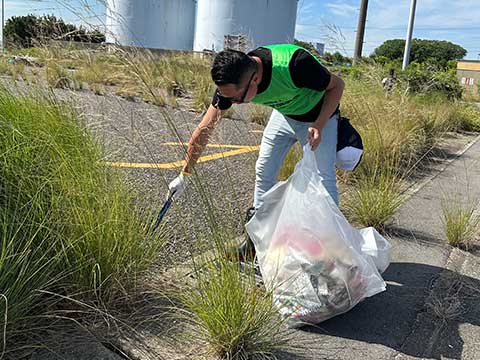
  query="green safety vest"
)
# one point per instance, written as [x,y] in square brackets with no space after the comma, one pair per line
[282,94]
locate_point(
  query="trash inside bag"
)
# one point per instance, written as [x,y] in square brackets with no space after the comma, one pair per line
[310,257]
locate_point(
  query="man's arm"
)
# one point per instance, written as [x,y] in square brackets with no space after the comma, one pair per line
[195,147]
[333,94]
[309,73]
[200,137]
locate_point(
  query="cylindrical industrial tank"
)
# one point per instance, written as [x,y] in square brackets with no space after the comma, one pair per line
[261,21]
[158,24]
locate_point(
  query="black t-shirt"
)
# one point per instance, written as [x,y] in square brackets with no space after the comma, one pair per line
[305,70]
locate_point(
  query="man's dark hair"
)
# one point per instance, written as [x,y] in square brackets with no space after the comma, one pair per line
[231,66]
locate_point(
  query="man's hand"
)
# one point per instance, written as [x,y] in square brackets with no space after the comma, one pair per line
[314,136]
[178,185]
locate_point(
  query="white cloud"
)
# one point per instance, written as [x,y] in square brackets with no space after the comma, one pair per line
[342,9]
[17,6]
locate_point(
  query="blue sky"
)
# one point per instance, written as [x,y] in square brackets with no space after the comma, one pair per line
[456,21]
[330,21]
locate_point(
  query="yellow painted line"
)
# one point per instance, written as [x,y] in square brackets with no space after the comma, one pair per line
[171,165]
[176,164]
[256,131]
[208,145]
[244,150]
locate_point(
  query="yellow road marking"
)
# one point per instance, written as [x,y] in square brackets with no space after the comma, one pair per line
[176,164]
[209,145]
[256,131]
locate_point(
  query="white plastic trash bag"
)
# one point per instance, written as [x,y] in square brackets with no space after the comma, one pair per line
[376,247]
[309,255]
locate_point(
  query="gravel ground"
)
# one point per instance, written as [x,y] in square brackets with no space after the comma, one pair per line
[135,131]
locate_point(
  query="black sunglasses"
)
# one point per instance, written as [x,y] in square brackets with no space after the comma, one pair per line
[242,99]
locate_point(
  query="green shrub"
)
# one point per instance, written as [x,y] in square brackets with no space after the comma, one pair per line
[351,72]
[25,31]
[424,79]
[468,117]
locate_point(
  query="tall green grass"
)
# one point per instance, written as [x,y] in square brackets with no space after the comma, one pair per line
[460,221]
[68,225]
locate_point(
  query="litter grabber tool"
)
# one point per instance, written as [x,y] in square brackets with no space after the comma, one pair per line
[163,211]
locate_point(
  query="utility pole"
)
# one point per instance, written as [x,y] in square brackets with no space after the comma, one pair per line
[408,42]
[3,25]
[362,18]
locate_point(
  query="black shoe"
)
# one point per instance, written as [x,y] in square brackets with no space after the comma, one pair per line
[243,252]
[246,250]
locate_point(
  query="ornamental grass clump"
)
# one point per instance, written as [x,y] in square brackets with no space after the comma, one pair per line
[461,221]
[68,224]
[229,312]
[374,199]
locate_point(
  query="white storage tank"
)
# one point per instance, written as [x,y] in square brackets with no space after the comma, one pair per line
[262,22]
[158,24]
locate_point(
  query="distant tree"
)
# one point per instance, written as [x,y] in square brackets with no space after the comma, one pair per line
[390,49]
[338,58]
[306,45]
[25,31]
[328,57]
[432,51]
[20,30]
